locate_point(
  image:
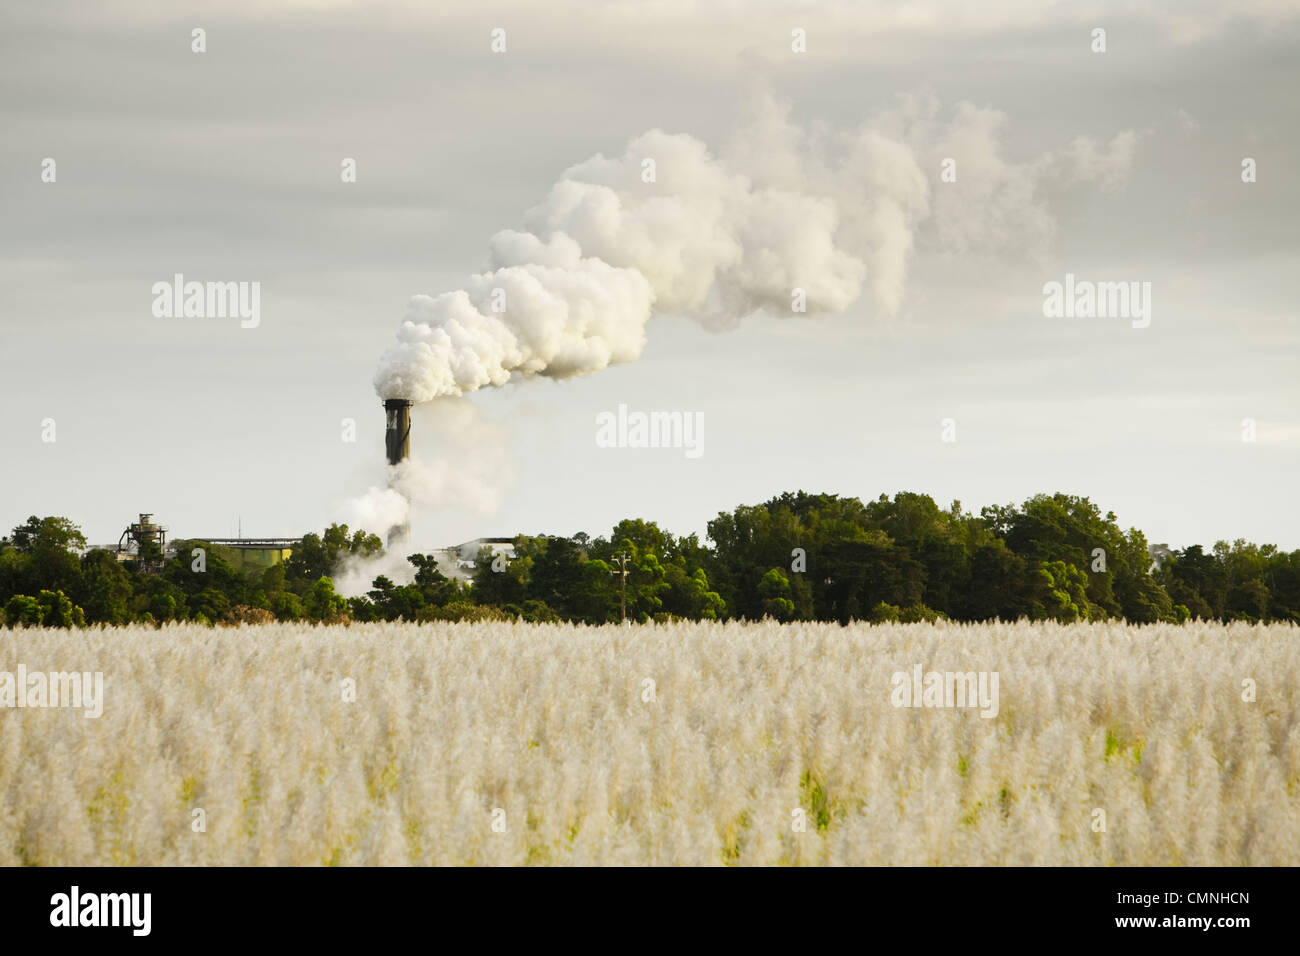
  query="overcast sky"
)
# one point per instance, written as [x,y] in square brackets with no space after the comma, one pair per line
[225,165]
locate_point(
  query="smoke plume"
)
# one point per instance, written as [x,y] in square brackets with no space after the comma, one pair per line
[670,227]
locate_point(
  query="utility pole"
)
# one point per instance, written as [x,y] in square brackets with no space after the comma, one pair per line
[621,560]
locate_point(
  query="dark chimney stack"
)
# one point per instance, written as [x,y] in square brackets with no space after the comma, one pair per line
[397,442]
[397,432]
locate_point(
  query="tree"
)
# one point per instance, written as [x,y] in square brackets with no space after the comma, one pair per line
[1247,595]
[435,587]
[595,594]
[211,603]
[47,555]
[319,555]
[647,581]
[1061,593]
[322,604]
[555,575]
[1197,580]
[162,599]
[106,588]
[57,610]
[998,585]
[869,571]
[217,575]
[1284,586]
[797,556]
[23,609]
[500,580]
[774,589]
[287,606]
[393,601]
[689,595]
[58,534]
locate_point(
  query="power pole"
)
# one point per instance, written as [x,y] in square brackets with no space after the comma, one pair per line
[621,560]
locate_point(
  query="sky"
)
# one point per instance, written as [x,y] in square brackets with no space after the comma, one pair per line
[226,165]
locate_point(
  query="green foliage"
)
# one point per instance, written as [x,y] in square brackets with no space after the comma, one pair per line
[884,613]
[57,610]
[796,557]
[502,580]
[106,588]
[434,586]
[48,608]
[1061,594]
[322,604]
[538,612]
[395,602]
[45,557]
[287,606]
[916,613]
[317,556]
[212,603]
[465,611]
[815,801]
[25,610]
[774,589]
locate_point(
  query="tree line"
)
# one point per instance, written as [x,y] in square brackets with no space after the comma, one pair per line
[798,556]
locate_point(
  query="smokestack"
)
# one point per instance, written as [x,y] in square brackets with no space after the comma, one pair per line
[397,433]
[397,442]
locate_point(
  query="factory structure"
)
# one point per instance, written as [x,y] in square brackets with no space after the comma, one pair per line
[253,554]
[459,561]
[145,542]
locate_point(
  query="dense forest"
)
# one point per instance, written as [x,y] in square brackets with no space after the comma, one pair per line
[796,557]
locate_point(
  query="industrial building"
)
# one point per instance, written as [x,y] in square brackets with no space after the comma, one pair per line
[459,561]
[256,554]
[253,554]
[145,541]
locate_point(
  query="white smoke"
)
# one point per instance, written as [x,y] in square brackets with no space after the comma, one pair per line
[604,251]
[566,315]
[376,510]
[357,575]
[470,471]
[719,239]
[472,467]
